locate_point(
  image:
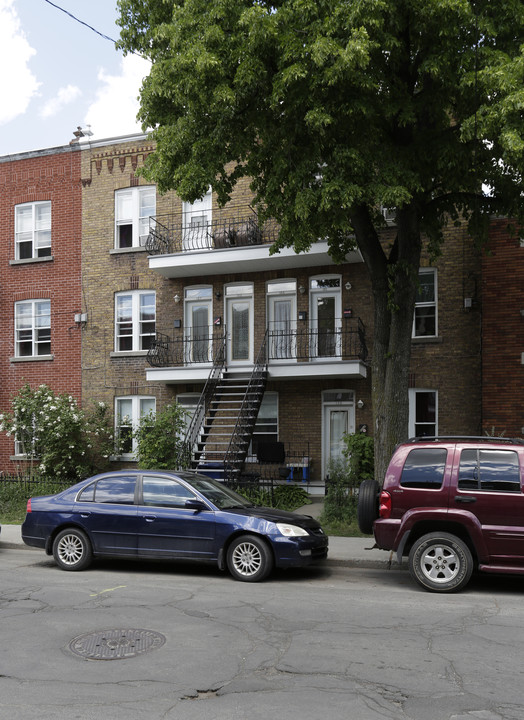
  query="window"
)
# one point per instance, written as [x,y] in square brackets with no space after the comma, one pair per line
[133,210]
[162,492]
[135,318]
[266,425]
[118,490]
[128,412]
[424,468]
[33,230]
[425,318]
[495,470]
[33,328]
[423,413]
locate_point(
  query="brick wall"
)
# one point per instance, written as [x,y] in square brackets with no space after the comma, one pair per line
[32,177]
[503,330]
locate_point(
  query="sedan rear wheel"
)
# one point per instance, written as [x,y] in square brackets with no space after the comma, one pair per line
[249,559]
[72,549]
[441,562]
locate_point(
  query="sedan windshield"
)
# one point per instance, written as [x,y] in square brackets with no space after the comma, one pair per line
[217,493]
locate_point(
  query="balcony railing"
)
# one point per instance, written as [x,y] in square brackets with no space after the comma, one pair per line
[345,341]
[185,349]
[225,228]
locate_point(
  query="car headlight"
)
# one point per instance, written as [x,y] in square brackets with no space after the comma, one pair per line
[291,530]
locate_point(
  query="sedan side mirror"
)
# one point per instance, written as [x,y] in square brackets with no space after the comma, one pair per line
[197,505]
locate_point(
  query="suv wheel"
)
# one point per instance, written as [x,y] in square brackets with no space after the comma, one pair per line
[367,509]
[440,562]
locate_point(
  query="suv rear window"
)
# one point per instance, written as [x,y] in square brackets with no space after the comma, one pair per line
[495,470]
[424,468]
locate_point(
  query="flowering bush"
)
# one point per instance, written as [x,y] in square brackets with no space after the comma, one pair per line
[55,436]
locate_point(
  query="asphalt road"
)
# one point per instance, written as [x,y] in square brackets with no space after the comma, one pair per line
[335,642]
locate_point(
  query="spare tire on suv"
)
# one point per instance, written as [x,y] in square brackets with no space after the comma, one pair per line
[367,508]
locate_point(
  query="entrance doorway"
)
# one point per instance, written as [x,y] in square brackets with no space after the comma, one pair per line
[338,419]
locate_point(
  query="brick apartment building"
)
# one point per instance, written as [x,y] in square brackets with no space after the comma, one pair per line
[178,297]
[40,277]
[503,330]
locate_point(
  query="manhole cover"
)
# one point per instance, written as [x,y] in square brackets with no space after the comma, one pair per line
[116,644]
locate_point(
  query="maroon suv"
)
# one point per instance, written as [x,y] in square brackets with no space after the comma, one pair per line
[451,505]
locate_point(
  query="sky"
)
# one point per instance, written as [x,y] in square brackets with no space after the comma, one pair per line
[58,74]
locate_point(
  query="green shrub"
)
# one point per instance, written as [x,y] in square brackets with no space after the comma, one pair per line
[160,439]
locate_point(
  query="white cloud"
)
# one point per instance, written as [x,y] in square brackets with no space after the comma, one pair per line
[18,85]
[114,111]
[65,96]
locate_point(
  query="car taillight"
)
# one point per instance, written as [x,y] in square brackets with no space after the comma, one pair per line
[28,509]
[384,509]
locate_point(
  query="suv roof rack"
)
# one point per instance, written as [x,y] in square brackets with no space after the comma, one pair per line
[466,438]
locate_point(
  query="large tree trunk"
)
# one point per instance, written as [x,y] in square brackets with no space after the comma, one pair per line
[394,279]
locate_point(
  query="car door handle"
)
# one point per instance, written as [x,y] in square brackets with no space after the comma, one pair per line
[150,518]
[465,499]
[85,514]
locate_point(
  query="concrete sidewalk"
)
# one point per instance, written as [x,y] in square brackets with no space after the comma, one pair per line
[353,552]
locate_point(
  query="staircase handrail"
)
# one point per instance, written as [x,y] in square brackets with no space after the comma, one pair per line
[199,416]
[235,449]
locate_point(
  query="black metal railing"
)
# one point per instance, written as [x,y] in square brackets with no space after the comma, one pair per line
[197,421]
[198,345]
[224,228]
[345,341]
[241,435]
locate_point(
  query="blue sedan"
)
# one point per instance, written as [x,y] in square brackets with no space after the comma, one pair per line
[173,515]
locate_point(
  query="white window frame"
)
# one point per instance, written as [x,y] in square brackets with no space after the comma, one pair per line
[415,422]
[39,235]
[140,405]
[423,304]
[137,334]
[37,315]
[135,218]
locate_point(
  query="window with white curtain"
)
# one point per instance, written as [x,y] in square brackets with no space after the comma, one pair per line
[128,412]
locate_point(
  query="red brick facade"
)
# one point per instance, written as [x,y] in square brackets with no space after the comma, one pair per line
[54,176]
[503,330]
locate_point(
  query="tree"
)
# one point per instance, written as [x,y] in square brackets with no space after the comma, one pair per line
[160,439]
[335,109]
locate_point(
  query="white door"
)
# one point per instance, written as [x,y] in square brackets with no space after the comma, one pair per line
[326,323]
[198,331]
[282,327]
[239,319]
[338,419]
[196,224]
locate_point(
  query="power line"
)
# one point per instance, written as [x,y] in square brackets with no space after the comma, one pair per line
[106,37]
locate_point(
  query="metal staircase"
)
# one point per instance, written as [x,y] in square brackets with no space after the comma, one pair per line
[220,432]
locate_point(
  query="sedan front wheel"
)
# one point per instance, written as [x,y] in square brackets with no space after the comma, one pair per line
[72,549]
[249,559]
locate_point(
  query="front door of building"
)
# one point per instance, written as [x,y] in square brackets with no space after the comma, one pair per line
[338,419]
[239,319]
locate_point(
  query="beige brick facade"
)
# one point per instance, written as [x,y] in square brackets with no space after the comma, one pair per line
[448,364]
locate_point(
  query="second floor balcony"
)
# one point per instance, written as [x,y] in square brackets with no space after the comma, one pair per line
[289,353]
[231,235]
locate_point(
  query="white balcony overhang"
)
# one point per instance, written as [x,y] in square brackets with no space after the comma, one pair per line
[352,369]
[253,258]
